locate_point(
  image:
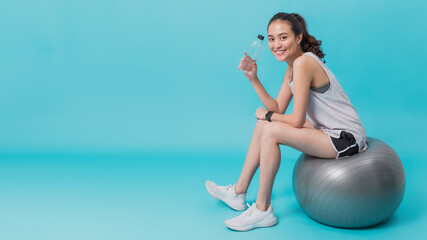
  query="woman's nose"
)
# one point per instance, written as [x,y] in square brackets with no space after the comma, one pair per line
[277,44]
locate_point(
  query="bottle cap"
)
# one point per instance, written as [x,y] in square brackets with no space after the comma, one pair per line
[260,37]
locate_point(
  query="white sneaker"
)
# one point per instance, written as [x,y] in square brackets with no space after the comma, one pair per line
[252,218]
[228,195]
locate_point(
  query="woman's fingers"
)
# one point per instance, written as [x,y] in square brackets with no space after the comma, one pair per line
[247,64]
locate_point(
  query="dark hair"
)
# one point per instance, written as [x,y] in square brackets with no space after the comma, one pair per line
[298,26]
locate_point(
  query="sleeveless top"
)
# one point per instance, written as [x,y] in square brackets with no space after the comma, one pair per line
[331,111]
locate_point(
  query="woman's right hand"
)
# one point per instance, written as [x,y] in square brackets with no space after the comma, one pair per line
[249,67]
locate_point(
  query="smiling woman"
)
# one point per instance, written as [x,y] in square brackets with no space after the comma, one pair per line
[323,122]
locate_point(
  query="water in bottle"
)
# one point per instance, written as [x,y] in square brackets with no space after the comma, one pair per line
[256,47]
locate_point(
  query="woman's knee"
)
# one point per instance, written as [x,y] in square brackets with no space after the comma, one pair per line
[269,133]
[260,128]
[260,125]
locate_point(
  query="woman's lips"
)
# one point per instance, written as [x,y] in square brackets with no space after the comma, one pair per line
[280,53]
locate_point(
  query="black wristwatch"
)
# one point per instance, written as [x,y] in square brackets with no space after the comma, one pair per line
[268,115]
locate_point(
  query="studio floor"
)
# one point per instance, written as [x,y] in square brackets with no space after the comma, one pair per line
[163,196]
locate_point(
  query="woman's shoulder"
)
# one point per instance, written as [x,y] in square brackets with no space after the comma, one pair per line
[305,61]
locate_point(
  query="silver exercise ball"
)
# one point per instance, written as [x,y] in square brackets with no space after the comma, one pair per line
[353,192]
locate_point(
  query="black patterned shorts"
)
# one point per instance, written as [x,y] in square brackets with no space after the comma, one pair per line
[345,145]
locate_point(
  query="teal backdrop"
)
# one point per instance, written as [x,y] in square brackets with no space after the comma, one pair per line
[132,75]
[144,78]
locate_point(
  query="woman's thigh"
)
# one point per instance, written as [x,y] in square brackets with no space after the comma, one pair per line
[307,140]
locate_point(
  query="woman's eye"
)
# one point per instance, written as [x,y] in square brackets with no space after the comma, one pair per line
[270,39]
[283,38]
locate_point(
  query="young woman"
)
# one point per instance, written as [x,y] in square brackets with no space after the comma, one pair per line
[332,128]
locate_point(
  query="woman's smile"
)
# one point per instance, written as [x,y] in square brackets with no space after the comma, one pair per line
[280,52]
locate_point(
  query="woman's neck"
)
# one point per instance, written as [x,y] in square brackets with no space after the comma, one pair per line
[290,62]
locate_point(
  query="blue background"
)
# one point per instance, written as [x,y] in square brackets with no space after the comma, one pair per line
[114,113]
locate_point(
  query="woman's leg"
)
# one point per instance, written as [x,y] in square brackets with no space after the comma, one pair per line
[308,140]
[252,159]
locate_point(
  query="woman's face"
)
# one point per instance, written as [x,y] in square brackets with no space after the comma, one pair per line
[282,40]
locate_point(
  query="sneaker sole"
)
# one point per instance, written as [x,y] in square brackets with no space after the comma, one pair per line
[259,225]
[231,205]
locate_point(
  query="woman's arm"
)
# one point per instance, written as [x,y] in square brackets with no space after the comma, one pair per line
[303,75]
[249,68]
[269,103]
[284,96]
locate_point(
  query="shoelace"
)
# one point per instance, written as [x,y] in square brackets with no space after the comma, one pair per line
[226,188]
[248,212]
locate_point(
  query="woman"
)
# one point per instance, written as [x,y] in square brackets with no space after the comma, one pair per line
[332,128]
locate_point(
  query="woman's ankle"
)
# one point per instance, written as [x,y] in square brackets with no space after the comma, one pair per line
[262,206]
[238,189]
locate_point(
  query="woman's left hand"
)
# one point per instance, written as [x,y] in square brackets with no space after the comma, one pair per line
[260,113]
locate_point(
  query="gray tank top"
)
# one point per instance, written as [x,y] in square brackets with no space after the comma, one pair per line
[331,110]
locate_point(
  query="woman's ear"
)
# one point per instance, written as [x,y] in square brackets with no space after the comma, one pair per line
[299,38]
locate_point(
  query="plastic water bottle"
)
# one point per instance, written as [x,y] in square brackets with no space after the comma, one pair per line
[256,47]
